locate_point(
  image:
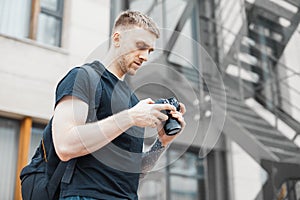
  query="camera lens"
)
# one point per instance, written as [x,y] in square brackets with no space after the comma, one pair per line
[172,126]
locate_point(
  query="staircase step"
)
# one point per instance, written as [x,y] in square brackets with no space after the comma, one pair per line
[261,129]
[294,2]
[272,142]
[270,24]
[263,134]
[283,155]
[273,8]
[230,102]
[250,120]
[254,51]
[219,91]
[271,42]
[240,110]
[215,84]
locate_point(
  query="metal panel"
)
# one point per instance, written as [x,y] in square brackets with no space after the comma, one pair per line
[274,8]
[294,2]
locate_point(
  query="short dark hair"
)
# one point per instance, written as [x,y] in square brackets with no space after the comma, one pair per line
[128,19]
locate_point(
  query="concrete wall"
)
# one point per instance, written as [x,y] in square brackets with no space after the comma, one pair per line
[248,177]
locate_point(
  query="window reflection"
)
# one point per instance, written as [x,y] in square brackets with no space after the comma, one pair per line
[49,4]
[35,139]
[183,188]
[9,140]
[48,30]
[186,175]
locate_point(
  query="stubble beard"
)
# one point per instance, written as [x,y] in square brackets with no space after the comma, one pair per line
[124,66]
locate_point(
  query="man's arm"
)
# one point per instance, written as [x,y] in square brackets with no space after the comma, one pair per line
[72,137]
[150,158]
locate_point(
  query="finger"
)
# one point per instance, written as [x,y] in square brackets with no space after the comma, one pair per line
[161,116]
[165,107]
[179,117]
[155,123]
[182,108]
[148,101]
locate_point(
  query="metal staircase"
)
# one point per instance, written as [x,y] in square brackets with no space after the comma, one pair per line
[246,125]
[269,26]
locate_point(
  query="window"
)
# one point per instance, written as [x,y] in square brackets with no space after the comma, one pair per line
[39,20]
[50,22]
[186,176]
[9,139]
[35,139]
[183,179]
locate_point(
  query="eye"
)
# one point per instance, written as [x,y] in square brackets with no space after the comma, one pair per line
[141,46]
[150,51]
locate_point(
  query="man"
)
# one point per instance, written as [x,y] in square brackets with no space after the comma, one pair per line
[107,151]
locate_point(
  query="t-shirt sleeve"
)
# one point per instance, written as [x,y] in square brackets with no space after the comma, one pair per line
[75,83]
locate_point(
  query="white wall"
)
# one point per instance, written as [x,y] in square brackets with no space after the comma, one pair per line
[248,177]
[292,60]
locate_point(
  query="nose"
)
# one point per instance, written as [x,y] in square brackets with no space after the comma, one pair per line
[144,56]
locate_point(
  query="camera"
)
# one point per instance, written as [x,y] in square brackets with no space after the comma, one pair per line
[172,125]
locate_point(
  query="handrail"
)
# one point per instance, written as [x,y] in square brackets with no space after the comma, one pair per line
[277,80]
[280,64]
[282,98]
[292,88]
[290,103]
[293,123]
[239,36]
[243,35]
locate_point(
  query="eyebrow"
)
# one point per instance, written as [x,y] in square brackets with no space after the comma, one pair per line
[146,45]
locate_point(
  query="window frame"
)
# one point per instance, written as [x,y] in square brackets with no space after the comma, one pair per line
[37,9]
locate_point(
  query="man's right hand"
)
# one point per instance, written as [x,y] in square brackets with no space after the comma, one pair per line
[148,114]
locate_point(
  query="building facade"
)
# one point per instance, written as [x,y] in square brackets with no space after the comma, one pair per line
[234,64]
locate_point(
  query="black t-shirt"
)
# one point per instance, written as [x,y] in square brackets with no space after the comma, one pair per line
[113,171]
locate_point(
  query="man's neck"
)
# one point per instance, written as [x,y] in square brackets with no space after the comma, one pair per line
[111,64]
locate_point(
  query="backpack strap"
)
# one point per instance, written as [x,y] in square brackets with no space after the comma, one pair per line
[94,93]
[55,179]
[69,171]
[65,170]
[95,96]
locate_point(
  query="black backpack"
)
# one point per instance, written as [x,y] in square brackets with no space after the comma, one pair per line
[36,182]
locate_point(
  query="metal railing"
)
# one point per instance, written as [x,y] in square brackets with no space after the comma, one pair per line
[271,82]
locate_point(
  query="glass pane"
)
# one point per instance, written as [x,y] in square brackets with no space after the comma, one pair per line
[184,188]
[174,10]
[15,17]
[9,139]
[184,48]
[297,190]
[186,165]
[36,136]
[48,30]
[49,4]
[153,187]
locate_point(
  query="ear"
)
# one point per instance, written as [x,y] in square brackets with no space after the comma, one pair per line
[116,39]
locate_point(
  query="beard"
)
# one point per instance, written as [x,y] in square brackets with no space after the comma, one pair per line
[124,65]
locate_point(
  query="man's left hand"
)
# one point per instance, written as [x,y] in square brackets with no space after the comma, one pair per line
[163,137]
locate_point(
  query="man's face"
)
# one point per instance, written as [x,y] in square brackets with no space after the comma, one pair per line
[134,48]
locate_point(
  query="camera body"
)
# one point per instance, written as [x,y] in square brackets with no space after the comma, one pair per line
[172,125]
